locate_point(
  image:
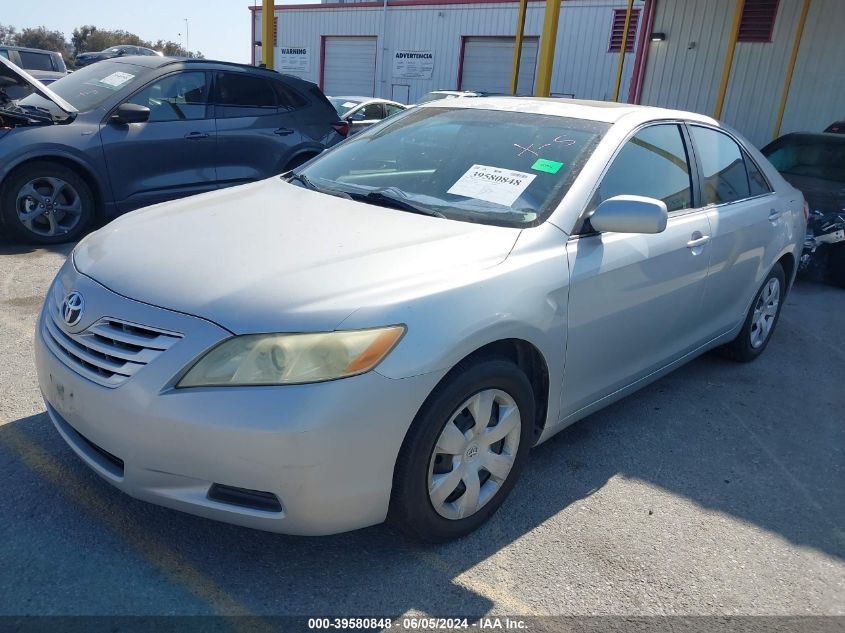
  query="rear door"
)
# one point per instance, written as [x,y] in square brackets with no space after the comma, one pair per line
[634,299]
[171,155]
[256,135]
[749,225]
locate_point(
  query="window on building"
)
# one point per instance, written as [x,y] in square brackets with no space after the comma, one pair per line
[653,164]
[618,29]
[723,177]
[758,20]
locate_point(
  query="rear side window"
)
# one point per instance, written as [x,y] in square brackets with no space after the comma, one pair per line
[723,177]
[654,164]
[4,53]
[36,61]
[390,110]
[287,98]
[756,180]
[244,90]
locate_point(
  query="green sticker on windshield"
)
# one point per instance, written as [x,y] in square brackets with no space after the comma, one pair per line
[548,166]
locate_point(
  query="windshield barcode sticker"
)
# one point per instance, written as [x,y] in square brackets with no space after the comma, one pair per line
[116,79]
[492,184]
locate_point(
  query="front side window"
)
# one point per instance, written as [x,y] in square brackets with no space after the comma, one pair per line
[654,164]
[183,96]
[487,166]
[723,177]
[4,53]
[370,112]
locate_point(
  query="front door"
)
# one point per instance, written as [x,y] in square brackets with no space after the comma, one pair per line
[169,156]
[634,299]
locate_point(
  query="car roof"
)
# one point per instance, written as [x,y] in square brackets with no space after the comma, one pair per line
[158,61]
[366,99]
[605,111]
[828,137]
[28,49]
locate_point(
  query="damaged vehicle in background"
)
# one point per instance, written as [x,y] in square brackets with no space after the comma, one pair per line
[126,133]
[815,164]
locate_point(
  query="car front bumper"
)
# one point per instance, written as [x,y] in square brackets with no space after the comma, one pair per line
[327,451]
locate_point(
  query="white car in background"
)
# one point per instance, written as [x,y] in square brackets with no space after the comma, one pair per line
[362,112]
[385,332]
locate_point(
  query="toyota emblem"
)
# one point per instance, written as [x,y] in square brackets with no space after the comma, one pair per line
[72,308]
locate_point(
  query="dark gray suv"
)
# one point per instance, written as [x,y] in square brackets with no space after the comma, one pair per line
[135,131]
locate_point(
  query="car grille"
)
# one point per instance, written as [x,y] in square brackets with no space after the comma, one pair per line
[110,351]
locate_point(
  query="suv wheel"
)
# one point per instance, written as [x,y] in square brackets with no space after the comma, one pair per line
[46,203]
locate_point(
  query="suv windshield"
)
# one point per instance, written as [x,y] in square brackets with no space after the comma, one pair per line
[87,88]
[488,166]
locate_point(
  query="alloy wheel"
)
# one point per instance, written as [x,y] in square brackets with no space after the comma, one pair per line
[48,206]
[474,454]
[765,311]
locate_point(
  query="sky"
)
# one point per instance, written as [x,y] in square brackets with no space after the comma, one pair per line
[218,28]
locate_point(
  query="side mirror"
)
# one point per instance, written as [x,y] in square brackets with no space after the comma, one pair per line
[131,113]
[630,214]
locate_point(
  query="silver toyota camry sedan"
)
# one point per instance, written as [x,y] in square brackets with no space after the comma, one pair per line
[384,333]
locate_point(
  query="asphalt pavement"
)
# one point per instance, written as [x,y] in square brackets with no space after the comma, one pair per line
[719,490]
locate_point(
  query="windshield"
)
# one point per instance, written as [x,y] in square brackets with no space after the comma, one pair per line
[433,96]
[488,166]
[87,88]
[811,157]
[343,106]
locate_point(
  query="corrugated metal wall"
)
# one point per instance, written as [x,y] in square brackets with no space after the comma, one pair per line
[817,97]
[684,71]
[583,65]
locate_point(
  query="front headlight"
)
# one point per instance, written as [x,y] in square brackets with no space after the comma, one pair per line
[285,359]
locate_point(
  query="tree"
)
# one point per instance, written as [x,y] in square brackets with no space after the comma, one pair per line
[7,35]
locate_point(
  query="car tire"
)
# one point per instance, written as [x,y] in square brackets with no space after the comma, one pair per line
[761,320]
[46,203]
[836,265]
[431,455]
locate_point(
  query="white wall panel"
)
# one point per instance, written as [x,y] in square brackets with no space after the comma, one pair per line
[817,96]
[583,66]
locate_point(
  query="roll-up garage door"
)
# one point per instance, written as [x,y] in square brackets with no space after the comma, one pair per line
[349,66]
[488,62]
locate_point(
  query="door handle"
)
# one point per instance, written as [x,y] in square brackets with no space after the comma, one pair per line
[283,131]
[774,214]
[192,136]
[698,241]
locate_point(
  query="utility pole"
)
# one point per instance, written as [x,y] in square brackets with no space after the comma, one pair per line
[187,36]
[267,14]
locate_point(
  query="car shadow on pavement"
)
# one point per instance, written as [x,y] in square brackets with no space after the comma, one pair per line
[741,440]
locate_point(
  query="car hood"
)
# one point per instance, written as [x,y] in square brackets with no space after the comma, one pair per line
[274,257]
[19,77]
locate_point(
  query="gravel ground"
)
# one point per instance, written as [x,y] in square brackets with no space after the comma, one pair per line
[718,490]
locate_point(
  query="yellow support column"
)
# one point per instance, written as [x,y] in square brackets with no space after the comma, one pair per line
[547,48]
[517,50]
[729,59]
[268,13]
[796,45]
[621,64]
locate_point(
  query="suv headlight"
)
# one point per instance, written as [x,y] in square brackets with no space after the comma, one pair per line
[285,359]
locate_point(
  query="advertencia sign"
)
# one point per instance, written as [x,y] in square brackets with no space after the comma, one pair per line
[413,64]
[294,59]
